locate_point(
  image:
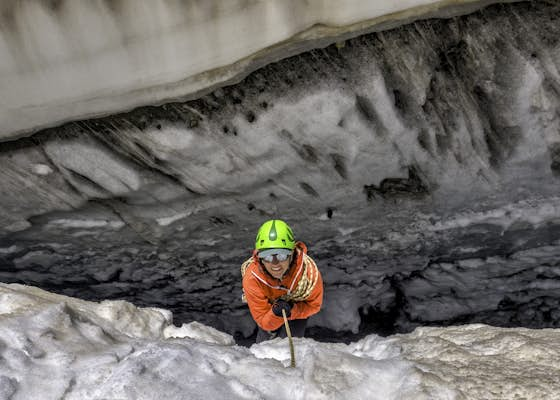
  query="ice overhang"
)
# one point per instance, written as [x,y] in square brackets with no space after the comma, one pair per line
[67,60]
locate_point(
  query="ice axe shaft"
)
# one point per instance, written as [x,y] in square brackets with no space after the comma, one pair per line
[290,340]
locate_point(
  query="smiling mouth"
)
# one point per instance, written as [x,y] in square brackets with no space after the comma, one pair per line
[276,270]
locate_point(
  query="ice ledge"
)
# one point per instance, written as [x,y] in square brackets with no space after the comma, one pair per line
[68,60]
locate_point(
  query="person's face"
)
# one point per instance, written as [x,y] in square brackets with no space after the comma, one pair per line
[277,268]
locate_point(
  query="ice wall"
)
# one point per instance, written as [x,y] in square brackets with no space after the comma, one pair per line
[420,164]
[63,60]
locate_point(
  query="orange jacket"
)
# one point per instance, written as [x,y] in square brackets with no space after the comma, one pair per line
[261,289]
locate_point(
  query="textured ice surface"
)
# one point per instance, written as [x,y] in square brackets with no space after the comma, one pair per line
[70,60]
[420,164]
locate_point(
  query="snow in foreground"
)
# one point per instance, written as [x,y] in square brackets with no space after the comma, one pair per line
[54,347]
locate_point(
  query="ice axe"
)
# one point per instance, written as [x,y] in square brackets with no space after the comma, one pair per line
[290,340]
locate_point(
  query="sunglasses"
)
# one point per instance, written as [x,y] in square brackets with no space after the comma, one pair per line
[279,257]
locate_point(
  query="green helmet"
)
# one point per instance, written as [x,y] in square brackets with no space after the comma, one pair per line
[275,234]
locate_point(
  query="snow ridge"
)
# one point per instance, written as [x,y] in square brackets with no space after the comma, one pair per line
[55,347]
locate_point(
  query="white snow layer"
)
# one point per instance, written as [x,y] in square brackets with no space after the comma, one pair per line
[74,59]
[54,347]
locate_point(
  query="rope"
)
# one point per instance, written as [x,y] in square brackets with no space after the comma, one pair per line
[305,285]
[307,281]
[245,265]
[290,340]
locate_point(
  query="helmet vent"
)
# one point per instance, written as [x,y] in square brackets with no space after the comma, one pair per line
[272,235]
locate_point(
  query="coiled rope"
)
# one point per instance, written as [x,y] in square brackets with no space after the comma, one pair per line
[306,283]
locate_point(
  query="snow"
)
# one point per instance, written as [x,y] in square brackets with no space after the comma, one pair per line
[93,168]
[8,250]
[85,223]
[535,212]
[53,346]
[42,169]
[54,57]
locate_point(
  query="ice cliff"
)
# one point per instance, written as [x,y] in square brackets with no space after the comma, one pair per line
[419,163]
[64,60]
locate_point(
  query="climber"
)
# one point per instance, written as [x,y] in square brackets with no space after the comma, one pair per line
[280,276]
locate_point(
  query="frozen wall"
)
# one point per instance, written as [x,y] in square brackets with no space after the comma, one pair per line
[62,60]
[420,164]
